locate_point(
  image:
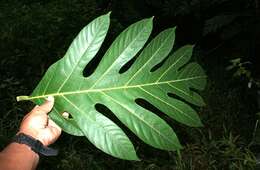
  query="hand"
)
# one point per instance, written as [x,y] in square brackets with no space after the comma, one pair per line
[38,125]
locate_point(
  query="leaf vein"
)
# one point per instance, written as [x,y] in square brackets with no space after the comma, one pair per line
[147,123]
[175,108]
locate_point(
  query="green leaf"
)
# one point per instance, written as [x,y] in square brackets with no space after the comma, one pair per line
[158,85]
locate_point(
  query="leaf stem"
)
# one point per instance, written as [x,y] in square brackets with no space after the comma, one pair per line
[21,98]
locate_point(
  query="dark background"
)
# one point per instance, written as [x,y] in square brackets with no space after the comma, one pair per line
[34,34]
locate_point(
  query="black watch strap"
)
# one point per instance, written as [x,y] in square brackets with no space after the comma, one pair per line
[35,145]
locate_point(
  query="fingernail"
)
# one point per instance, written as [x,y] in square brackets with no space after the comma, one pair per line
[50,98]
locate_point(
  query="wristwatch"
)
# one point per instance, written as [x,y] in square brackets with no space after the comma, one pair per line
[35,145]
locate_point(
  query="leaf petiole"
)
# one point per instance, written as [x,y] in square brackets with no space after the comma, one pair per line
[21,98]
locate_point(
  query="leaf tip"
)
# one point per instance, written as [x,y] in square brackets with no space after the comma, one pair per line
[130,156]
[203,104]
[109,13]
[180,147]
[149,19]
[199,124]
[192,46]
[171,32]
[177,146]
[135,158]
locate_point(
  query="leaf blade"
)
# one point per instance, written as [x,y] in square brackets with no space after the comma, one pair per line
[78,95]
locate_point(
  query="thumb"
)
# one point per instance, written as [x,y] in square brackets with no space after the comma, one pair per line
[46,106]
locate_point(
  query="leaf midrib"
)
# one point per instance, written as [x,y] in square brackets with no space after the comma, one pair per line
[112,88]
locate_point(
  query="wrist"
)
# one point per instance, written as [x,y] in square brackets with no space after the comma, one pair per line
[34,144]
[31,134]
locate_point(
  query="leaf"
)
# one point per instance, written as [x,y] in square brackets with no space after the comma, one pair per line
[79,95]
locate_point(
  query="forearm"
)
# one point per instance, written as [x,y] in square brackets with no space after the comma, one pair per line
[18,157]
[35,124]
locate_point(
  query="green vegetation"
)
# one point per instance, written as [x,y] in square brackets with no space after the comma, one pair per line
[34,34]
[119,92]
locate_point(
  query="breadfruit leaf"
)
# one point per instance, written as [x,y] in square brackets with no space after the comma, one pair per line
[78,95]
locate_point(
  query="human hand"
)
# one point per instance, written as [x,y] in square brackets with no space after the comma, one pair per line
[38,125]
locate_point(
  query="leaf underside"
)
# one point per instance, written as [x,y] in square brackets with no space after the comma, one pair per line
[79,95]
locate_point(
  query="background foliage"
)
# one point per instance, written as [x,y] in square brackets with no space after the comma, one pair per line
[36,33]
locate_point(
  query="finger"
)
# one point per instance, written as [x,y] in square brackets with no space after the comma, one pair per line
[53,133]
[50,135]
[45,107]
[54,125]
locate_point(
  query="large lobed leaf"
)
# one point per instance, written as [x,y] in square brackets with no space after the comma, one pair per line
[79,95]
